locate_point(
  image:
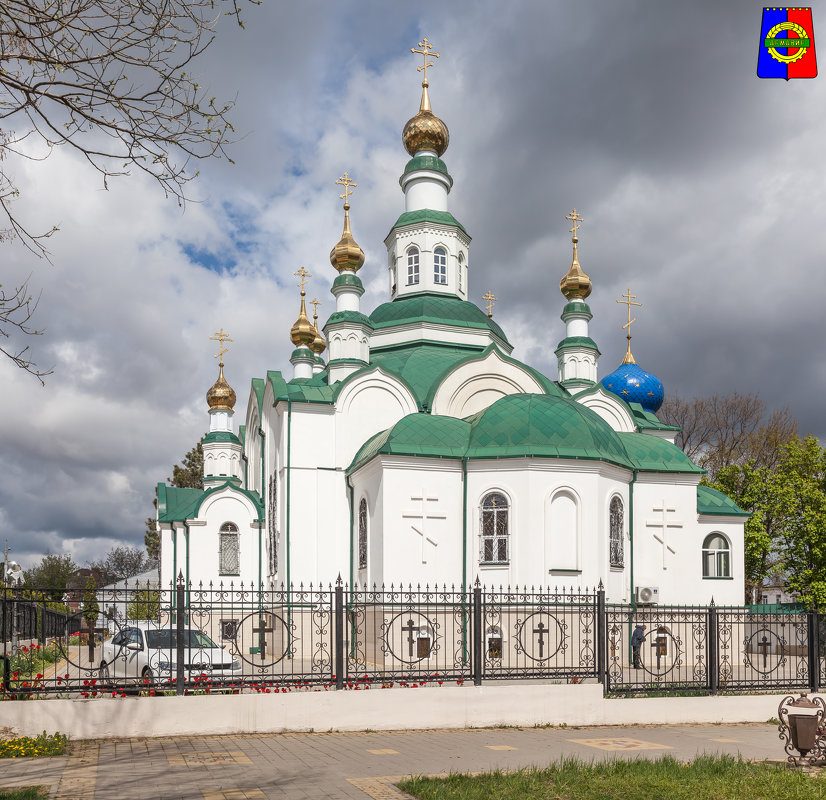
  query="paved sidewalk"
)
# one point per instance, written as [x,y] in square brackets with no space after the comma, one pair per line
[316,766]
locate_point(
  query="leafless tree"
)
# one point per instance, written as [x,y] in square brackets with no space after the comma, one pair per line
[112,80]
[17,308]
[729,429]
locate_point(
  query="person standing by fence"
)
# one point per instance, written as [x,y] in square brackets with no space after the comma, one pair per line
[637,638]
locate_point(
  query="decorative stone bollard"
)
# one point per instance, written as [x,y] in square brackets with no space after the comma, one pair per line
[803,729]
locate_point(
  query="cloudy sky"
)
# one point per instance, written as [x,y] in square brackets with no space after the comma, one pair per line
[702,189]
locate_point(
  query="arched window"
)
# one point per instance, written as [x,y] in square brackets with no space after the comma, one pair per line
[412,266]
[461,269]
[272,525]
[363,534]
[229,561]
[495,529]
[615,541]
[716,557]
[439,265]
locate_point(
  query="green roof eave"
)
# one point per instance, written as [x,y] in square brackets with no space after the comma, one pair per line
[428,215]
[258,390]
[220,436]
[650,453]
[349,316]
[177,504]
[426,162]
[716,504]
[646,420]
[348,279]
[300,390]
[576,307]
[242,432]
[337,387]
[252,495]
[577,341]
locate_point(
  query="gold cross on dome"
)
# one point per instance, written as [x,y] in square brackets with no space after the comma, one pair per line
[426,47]
[348,185]
[491,298]
[315,303]
[220,337]
[575,218]
[628,300]
[303,275]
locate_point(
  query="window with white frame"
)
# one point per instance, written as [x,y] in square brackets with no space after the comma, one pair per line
[716,556]
[229,560]
[412,266]
[495,529]
[363,534]
[615,536]
[440,265]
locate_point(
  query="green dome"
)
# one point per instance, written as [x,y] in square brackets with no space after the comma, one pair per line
[543,426]
[438,308]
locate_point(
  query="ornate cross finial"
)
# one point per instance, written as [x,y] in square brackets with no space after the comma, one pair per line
[315,303]
[628,300]
[491,298]
[575,218]
[426,47]
[220,337]
[303,275]
[348,185]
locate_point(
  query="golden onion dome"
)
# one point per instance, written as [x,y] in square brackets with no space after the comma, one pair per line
[347,255]
[221,396]
[425,131]
[319,345]
[302,332]
[576,284]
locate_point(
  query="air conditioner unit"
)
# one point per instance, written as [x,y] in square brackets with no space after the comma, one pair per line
[648,594]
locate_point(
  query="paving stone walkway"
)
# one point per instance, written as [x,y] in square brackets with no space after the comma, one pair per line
[316,766]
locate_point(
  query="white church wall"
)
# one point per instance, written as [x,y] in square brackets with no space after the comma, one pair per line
[475,386]
[675,564]
[367,405]
[616,414]
[422,522]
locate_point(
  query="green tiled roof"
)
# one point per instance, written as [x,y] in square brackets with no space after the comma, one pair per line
[426,162]
[438,308]
[424,435]
[428,215]
[714,503]
[348,279]
[221,436]
[349,316]
[302,390]
[651,453]
[242,432]
[578,341]
[176,505]
[647,420]
[302,353]
[258,389]
[574,307]
[543,426]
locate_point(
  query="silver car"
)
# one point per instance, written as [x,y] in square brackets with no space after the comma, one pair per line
[143,654]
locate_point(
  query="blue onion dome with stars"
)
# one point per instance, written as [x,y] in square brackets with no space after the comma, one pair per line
[634,385]
[629,381]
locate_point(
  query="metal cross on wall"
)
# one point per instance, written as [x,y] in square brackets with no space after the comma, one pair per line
[664,524]
[424,516]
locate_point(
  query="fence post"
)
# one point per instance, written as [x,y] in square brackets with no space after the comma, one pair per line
[712,648]
[338,643]
[601,628]
[814,651]
[179,638]
[478,635]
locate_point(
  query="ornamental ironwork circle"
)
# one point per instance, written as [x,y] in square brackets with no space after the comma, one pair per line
[659,652]
[540,636]
[262,639]
[410,637]
[759,649]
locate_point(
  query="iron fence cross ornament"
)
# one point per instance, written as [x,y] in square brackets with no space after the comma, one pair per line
[424,516]
[664,524]
[541,631]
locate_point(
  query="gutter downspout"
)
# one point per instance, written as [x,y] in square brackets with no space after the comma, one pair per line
[352,563]
[287,532]
[174,532]
[631,535]
[246,470]
[188,587]
[263,498]
[464,560]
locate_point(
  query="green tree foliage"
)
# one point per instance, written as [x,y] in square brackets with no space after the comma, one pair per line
[52,574]
[91,609]
[145,605]
[188,475]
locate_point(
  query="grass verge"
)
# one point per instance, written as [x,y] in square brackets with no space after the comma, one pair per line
[34,746]
[25,793]
[705,778]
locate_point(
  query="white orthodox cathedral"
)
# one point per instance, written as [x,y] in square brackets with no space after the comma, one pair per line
[421,451]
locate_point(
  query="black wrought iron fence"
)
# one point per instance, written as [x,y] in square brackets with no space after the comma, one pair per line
[245,638]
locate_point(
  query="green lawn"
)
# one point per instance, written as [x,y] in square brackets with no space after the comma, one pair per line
[706,778]
[27,793]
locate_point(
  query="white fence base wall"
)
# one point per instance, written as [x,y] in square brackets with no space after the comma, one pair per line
[376,709]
